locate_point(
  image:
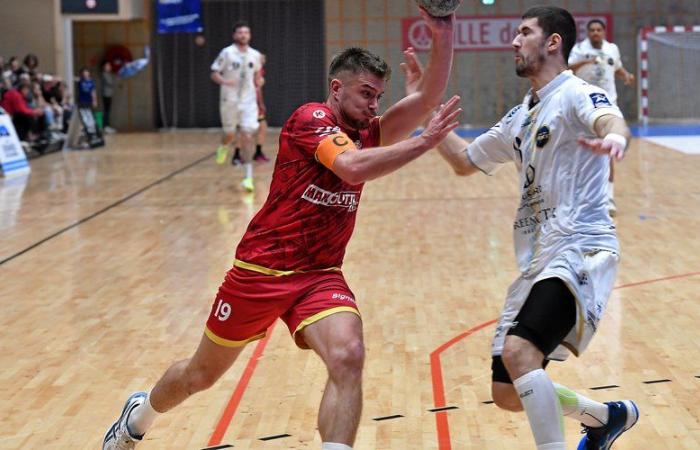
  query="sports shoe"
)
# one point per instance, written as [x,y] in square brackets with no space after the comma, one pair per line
[236,160]
[247,184]
[622,416]
[118,436]
[612,208]
[261,157]
[221,154]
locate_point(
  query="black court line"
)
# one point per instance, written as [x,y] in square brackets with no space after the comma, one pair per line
[609,386]
[665,380]
[277,436]
[105,209]
[395,416]
[218,447]
[488,402]
[697,376]
[444,408]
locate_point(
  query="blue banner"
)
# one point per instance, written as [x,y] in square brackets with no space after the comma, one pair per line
[179,16]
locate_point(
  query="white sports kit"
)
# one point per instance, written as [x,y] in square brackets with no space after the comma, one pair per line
[562,228]
[602,72]
[237,104]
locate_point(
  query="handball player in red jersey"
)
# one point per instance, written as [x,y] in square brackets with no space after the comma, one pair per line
[288,264]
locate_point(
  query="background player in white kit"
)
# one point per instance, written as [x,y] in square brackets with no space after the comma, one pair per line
[237,71]
[560,139]
[598,62]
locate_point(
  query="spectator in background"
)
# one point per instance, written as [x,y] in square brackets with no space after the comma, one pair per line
[52,117]
[13,72]
[87,97]
[60,101]
[31,64]
[107,90]
[25,119]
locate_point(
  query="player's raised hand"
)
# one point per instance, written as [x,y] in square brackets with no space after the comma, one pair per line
[444,121]
[604,147]
[412,70]
[438,24]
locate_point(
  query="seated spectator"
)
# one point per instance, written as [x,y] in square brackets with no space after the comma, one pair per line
[38,101]
[58,98]
[25,119]
[31,65]
[13,72]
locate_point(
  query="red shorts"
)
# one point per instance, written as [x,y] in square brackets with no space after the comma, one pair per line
[249,302]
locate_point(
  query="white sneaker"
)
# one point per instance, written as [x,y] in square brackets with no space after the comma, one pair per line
[612,208]
[110,130]
[118,436]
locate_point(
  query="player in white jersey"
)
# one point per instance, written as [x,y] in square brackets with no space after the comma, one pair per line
[560,139]
[598,62]
[237,71]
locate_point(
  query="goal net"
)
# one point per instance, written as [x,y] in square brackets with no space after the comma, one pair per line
[669,74]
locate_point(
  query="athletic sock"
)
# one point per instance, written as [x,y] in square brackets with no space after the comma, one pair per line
[335,446]
[258,149]
[611,189]
[575,406]
[142,417]
[541,404]
[248,169]
[237,153]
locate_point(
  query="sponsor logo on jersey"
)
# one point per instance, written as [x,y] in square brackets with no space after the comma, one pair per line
[542,136]
[599,100]
[328,130]
[610,61]
[318,196]
[319,114]
[343,297]
[509,117]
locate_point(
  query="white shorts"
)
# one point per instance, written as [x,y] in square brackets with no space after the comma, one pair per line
[235,114]
[590,276]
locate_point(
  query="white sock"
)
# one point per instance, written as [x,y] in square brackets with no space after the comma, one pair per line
[611,189]
[541,404]
[142,417]
[335,446]
[248,169]
[576,406]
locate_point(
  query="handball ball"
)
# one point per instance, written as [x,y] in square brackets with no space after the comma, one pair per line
[439,8]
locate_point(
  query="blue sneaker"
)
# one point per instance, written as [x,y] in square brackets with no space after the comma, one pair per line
[118,436]
[622,416]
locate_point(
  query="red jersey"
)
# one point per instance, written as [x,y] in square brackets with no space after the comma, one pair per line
[309,215]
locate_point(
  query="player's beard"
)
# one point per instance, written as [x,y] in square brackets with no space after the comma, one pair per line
[529,65]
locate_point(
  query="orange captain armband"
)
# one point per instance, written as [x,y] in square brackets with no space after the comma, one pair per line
[332,146]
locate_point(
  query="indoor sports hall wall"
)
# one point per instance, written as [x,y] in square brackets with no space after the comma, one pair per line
[486,80]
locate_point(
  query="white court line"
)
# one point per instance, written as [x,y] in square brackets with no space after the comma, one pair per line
[690,145]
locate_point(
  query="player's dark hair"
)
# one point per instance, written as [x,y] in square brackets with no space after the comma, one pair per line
[555,20]
[357,60]
[592,21]
[240,24]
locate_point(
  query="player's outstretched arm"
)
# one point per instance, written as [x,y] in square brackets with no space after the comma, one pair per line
[613,137]
[356,167]
[406,115]
[453,148]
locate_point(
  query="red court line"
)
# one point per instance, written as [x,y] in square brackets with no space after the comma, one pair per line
[237,395]
[443,426]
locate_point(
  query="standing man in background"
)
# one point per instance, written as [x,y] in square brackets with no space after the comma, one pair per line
[598,62]
[107,90]
[237,71]
[262,119]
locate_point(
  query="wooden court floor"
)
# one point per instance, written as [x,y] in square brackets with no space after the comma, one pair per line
[110,260]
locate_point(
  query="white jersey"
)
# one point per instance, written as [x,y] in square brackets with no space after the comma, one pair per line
[563,184]
[233,64]
[602,72]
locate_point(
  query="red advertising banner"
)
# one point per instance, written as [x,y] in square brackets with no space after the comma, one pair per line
[484,33]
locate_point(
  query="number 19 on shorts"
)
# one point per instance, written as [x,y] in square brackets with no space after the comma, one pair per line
[223,310]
